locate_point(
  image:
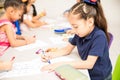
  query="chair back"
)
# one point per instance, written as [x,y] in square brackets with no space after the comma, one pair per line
[116,72]
[111,39]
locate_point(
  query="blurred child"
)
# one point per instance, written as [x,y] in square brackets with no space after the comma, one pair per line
[91,39]
[31,19]
[4,65]
[13,11]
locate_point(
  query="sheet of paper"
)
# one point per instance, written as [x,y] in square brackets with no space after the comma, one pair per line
[24,69]
[63,58]
[57,40]
[29,67]
[48,20]
[50,26]
[38,43]
[62,25]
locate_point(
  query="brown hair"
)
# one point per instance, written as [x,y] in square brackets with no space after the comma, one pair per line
[85,11]
[34,8]
[17,4]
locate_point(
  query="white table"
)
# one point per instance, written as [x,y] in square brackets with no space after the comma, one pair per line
[26,55]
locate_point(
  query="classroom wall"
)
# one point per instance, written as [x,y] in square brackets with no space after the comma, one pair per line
[54,8]
[112,13]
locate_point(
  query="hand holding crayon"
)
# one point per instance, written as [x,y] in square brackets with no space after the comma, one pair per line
[43,13]
[7,65]
[13,58]
[51,49]
[44,56]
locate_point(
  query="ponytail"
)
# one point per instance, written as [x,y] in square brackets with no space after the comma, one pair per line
[34,10]
[100,20]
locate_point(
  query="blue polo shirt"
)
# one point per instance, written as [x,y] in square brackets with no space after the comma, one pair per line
[95,44]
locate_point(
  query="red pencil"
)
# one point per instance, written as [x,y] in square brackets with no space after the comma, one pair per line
[34,36]
[13,58]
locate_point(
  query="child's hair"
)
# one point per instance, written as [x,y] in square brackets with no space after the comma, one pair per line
[16,4]
[88,9]
[34,9]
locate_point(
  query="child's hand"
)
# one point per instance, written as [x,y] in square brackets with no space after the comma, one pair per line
[46,57]
[70,32]
[6,65]
[50,53]
[30,39]
[24,0]
[51,67]
[43,13]
[51,49]
[44,23]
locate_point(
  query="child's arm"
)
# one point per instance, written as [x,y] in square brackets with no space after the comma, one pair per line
[34,23]
[14,42]
[39,15]
[19,37]
[57,53]
[78,64]
[84,64]
[70,32]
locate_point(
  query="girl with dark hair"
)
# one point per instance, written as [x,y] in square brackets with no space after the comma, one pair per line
[8,38]
[13,12]
[30,18]
[91,39]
